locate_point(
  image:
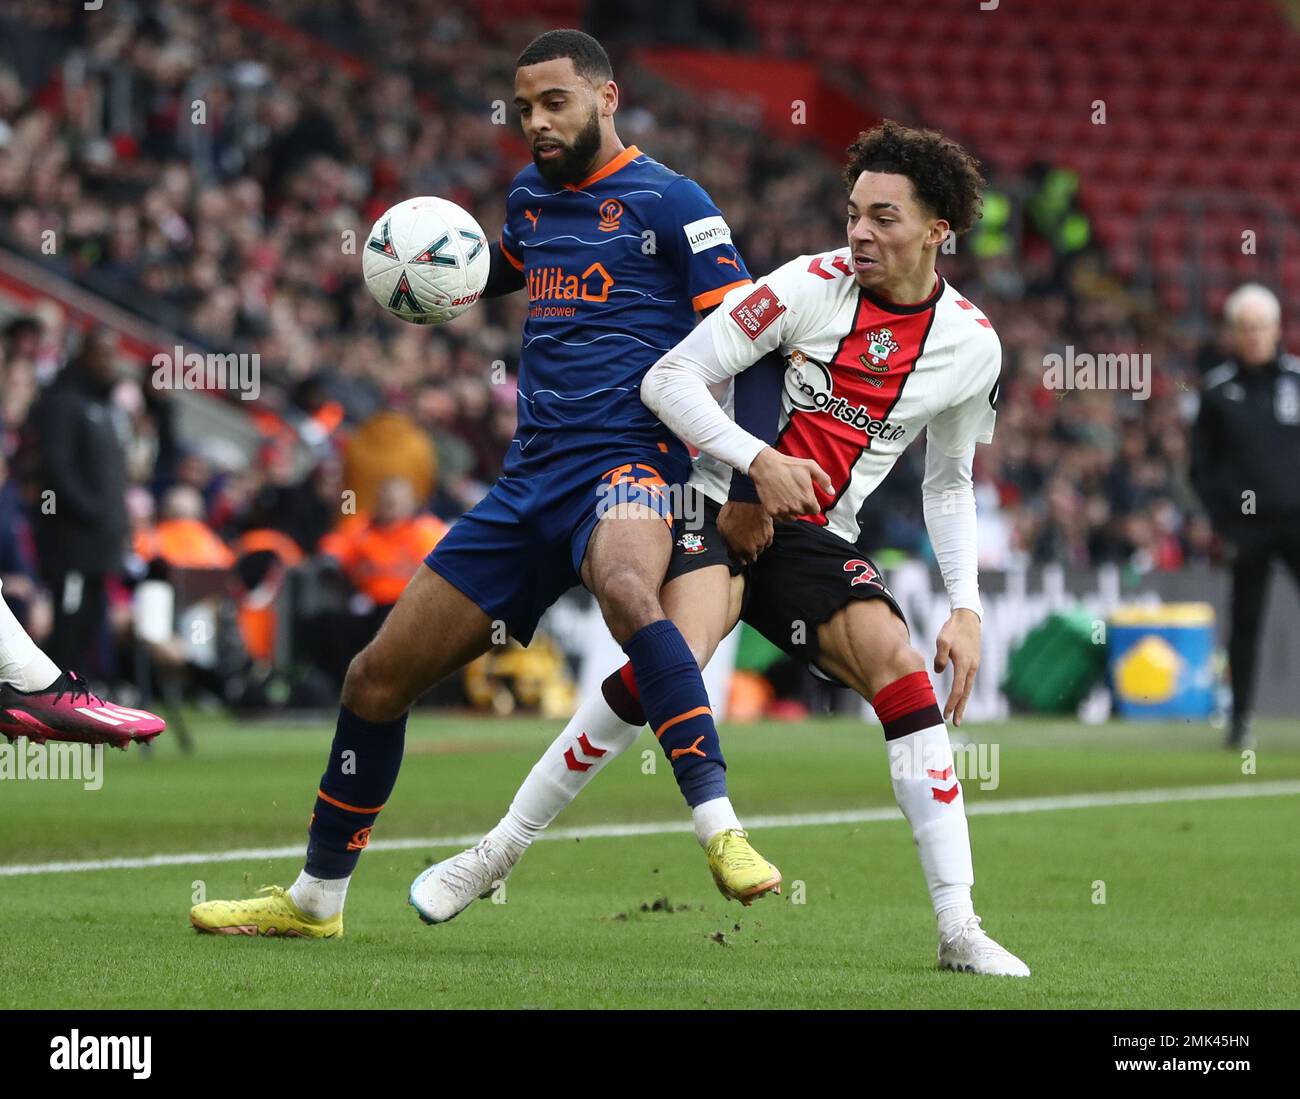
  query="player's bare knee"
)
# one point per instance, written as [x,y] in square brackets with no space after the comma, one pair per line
[369,692]
[891,664]
[627,601]
[700,648]
[905,660]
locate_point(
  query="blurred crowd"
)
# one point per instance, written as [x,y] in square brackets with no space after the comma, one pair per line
[217,175]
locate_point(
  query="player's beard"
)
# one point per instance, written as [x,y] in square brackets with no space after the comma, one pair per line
[574,162]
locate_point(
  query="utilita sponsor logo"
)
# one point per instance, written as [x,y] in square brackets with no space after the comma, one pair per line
[558,284]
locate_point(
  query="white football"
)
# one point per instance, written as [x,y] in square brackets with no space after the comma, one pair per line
[426,260]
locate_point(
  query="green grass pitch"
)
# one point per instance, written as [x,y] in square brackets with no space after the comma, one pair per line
[1199,904]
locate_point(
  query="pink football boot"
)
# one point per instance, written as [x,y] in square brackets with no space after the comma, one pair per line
[67,710]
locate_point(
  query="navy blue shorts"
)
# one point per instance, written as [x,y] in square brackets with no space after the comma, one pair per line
[521,547]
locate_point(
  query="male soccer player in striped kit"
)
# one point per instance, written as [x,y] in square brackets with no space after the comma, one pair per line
[878,347]
[619,254]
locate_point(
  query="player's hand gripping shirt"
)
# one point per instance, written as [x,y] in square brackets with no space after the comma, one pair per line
[616,268]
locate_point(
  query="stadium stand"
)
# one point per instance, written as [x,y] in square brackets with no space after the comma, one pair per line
[230,234]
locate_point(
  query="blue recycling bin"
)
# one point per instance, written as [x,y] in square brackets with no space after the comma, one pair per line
[1161,660]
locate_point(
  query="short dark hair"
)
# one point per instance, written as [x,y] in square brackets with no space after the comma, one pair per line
[945,176]
[590,61]
[22,326]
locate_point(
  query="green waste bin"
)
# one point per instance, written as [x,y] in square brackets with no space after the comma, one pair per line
[1057,664]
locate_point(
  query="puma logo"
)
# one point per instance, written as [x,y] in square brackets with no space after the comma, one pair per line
[726,259]
[533,217]
[693,750]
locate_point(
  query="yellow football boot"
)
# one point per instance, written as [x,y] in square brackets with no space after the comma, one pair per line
[741,872]
[271,912]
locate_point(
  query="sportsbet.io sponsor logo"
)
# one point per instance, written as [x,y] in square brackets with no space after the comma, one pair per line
[810,389]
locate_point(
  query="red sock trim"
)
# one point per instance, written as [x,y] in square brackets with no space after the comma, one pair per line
[903,696]
[907,705]
[619,689]
[629,680]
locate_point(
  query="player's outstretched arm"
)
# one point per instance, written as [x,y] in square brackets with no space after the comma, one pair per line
[948,497]
[677,390]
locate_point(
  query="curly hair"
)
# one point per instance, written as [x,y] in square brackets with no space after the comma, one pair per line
[945,176]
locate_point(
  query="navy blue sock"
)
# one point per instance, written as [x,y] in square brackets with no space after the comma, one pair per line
[359,778]
[677,708]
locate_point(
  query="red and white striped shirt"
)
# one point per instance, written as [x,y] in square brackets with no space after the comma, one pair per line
[864,376]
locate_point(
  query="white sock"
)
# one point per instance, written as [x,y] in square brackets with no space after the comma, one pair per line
[22,664]
[593,737]
[920,768]
[320,898]
[712,817]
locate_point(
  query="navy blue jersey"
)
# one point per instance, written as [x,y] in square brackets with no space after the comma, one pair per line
[616,268]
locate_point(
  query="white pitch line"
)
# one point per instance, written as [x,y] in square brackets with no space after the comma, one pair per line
[658,828]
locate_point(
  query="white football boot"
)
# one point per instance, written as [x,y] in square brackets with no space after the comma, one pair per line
[970,950]
[447,888]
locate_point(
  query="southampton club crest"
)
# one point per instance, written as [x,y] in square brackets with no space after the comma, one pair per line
[880,345]
[691,543]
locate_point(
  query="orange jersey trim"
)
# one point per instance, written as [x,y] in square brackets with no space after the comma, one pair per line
[680,718]
[621,161]
[711,298]
[513,262]
[344,805]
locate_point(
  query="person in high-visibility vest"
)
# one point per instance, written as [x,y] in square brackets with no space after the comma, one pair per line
[992,237]
[1053,209]
[377,554]
[181,538]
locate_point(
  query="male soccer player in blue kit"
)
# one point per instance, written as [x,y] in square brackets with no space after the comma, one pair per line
[619,254]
